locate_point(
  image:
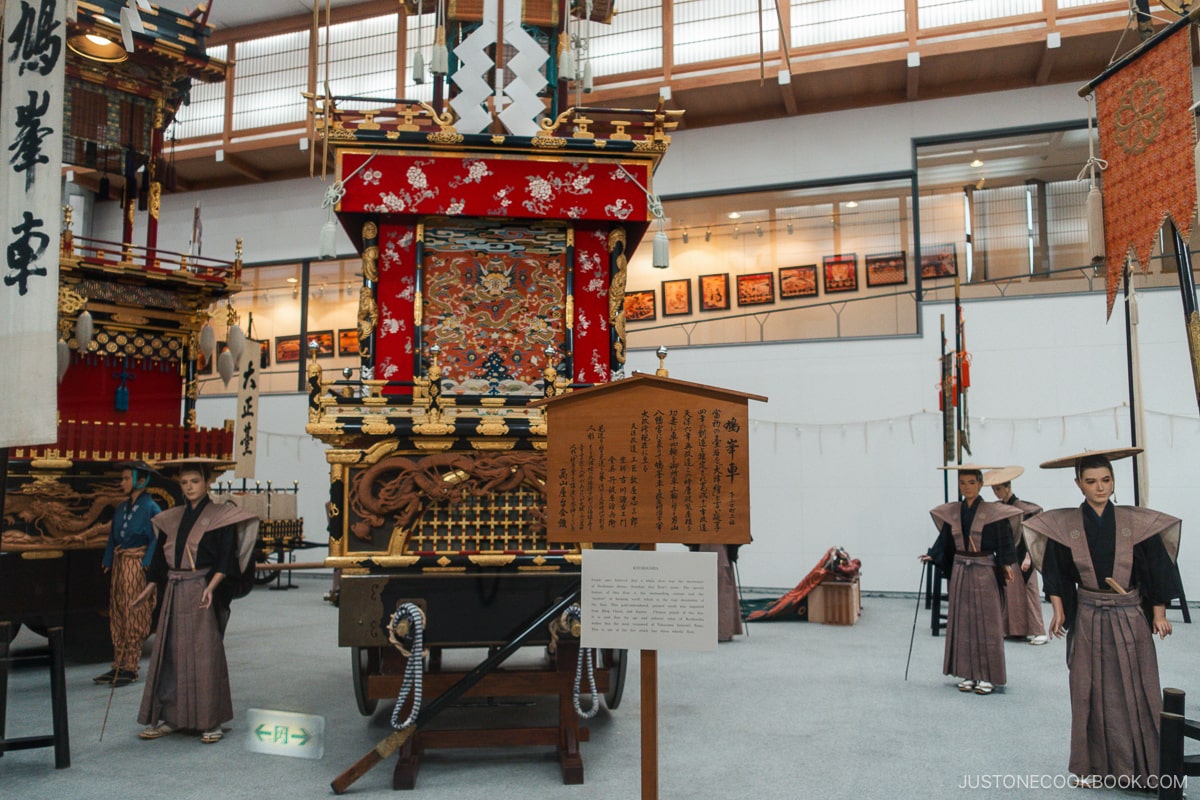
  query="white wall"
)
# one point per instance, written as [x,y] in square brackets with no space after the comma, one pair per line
[845,451]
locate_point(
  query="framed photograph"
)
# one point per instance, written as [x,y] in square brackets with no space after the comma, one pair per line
[324,340]
[714,292]
[798,281]
[939,261]
[677,297]
[287,349]
[639,306]
[756,289]
[841,273]
[886,269]
[348,341]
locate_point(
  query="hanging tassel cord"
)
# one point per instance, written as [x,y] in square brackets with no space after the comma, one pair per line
[570,622]
[1094,162]
[408,623]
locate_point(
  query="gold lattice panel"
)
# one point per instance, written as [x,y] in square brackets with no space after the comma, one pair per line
[501,522]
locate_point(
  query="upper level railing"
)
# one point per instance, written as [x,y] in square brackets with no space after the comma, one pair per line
[650,43]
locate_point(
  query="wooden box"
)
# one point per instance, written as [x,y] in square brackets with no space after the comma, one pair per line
[835,603]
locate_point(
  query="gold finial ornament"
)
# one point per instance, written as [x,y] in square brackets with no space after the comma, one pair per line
[662,359]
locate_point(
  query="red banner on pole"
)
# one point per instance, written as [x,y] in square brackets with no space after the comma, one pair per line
[1147,134]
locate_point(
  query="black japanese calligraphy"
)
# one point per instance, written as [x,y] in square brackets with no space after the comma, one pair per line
[26,147]
[24,251]
[38,45]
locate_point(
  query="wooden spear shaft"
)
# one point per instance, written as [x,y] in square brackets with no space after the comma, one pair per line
[394,740]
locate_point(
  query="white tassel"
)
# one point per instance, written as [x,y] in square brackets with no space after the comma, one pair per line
[566,65]
[325,247]
[587,76]
[83,331]
[662,256]
[225,366]
[418,69]
[235,339]
[1095,223]
[1196,157]
[441,55]
[208,340]
[64,359]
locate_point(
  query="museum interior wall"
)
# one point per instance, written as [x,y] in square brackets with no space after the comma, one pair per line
[848,444]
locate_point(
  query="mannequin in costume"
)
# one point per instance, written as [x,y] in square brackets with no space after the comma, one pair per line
[127,556]
[1022,600]
[202,545]
[1109,572]
[976,547]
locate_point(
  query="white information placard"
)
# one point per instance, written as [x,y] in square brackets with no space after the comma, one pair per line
[647,600]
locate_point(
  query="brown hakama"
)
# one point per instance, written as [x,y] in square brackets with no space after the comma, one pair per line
[974,622]
[187,684]
[1115,694]
[1023,607]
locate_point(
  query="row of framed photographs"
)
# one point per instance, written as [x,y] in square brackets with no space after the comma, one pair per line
[840,274]
[287,348]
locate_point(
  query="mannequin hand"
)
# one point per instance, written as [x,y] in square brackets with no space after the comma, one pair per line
[1008,574]
[1162,626]
[1057,621]
[924,559]
[206,597]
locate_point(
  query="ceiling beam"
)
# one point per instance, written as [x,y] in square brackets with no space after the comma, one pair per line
[1053,43]
[785,90]
[251,172]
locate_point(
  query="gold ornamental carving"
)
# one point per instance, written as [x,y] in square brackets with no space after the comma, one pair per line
[129,319]
[370,230]
[548,142]
[370,260]
[155,199]
[492,426]
[616,293]
[381,428]
[368,314]
[69,302]
[493,445]
[489,560]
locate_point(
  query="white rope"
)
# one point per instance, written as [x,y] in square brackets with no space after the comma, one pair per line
[413,667]
[588,655]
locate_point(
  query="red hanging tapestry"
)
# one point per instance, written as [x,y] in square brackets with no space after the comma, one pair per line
[1147,134]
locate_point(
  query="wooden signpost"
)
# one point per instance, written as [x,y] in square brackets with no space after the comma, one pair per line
[647,460]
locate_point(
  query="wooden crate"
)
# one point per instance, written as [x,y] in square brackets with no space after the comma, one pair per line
[835,603]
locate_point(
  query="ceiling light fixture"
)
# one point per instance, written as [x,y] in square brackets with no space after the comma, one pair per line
[852,204]
[734,215]
[977,163]
[708,234]
[97,48]
[685,236]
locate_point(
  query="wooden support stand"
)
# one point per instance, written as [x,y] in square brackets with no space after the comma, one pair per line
[556,680]
[60,740]
[1175,729]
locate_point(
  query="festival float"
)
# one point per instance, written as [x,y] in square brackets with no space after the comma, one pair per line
[494,227]
[129,323]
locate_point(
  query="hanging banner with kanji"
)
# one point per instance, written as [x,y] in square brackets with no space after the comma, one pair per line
[1147,135]
[31,143]
[245,425]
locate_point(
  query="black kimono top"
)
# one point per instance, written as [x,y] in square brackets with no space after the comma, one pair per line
[996,538]
[1153,572]
[215,552]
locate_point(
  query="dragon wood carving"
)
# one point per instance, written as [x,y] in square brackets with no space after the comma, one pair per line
[54,515]
[405,487]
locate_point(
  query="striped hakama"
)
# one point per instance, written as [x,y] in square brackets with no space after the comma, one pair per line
[974,622]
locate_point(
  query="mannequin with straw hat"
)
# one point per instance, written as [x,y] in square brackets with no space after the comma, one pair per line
[1022,600]
[1109,572]
[199,559]
[976,543]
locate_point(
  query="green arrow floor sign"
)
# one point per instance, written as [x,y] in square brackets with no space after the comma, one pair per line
[284,733]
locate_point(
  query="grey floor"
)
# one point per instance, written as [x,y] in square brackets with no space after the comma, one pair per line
[793,710]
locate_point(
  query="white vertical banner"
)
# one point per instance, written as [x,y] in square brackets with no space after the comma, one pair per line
[245,425]
[31,144]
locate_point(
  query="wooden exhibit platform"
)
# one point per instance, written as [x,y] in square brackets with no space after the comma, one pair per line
[556,679]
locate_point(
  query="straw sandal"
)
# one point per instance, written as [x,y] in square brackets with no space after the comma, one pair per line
[213,736]
[155,731]
[983,687]
[967,686]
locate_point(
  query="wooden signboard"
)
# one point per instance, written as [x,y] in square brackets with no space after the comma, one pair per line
[649,459]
